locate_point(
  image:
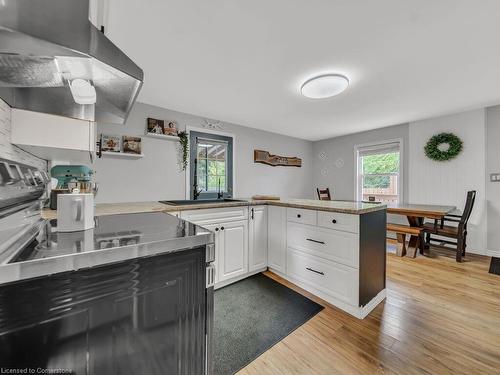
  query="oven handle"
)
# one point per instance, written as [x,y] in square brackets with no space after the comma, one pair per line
[210,275]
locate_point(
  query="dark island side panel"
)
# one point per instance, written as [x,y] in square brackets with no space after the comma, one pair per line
[372,255]
[140,316]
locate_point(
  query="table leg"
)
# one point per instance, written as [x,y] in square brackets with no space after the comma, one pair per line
[401,245]
[415,242]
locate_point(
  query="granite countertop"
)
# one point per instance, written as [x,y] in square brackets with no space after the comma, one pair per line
[348,207]
[103,209]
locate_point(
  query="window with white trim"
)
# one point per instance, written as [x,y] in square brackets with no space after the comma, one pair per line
[379,176]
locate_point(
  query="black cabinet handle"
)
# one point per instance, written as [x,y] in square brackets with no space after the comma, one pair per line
[221,228]
[298,215]
[318,272]
[316,241]
[216,229]
[252,214]
[334,221]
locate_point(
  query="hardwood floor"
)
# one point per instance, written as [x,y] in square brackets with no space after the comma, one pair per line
[440,317]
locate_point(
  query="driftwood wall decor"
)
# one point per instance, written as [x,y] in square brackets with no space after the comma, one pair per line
[265,157]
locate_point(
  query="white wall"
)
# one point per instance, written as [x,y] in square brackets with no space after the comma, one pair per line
[157,175]
[426,181]
[7,149]
[340,178]
[493,188]
[446,183]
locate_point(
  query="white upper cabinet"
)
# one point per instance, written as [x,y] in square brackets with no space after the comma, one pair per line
[277,238]
[257,238]
[51,137]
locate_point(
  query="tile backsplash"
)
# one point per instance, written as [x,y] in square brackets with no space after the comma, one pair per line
[10,151]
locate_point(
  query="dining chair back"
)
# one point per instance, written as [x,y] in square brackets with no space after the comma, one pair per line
[324,194]
[457,232]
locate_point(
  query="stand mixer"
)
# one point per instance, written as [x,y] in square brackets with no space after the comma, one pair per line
[70,177]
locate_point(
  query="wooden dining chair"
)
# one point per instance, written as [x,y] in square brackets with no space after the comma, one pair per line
[457,233]
[324,194]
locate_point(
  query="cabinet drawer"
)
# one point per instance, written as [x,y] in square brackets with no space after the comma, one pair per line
[299,215]
[215,215]
[339,221]
[334,279]
[338,246]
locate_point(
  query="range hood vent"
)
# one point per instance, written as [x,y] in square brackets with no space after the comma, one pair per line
[46,46]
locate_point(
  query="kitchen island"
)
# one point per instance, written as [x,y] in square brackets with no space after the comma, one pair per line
[132,295]
[334,249]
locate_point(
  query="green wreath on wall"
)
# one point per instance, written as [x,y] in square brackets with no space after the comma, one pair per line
[443,147]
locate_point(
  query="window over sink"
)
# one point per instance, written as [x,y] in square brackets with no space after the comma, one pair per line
[211,165]
[379,177]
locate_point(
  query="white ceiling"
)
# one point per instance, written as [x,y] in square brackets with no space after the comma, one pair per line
[244,61]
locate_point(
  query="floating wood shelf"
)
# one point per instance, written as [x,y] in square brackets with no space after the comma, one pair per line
[162,136]
[124,155]
[265,157]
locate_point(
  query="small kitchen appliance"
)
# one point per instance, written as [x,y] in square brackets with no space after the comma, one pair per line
[75,212]
[70,177]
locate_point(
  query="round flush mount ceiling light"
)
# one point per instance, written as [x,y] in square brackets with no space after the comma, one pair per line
[324,86]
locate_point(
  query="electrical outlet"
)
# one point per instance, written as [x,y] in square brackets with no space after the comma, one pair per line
[495,177]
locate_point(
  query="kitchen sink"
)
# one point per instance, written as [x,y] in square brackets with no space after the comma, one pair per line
[185,202]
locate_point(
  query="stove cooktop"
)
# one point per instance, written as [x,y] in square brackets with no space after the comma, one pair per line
[111,231]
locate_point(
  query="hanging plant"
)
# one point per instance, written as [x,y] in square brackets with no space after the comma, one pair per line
[443,147]
[184,141]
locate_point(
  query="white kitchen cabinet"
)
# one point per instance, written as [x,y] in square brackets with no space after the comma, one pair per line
[230,226]
[331,278]
[52,137]
[257,223]
[277,219]
[232,249]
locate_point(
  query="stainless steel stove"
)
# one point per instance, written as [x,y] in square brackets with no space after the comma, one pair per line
[135,293]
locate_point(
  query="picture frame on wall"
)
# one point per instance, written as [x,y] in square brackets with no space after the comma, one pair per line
[155,126]
[171,129]
[132,145]
[111,143]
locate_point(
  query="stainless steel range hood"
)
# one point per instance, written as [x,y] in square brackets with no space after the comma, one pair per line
[46,46]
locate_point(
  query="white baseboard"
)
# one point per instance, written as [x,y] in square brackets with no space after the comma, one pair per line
[493,253]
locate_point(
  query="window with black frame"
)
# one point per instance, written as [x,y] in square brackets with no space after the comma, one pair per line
[211,166]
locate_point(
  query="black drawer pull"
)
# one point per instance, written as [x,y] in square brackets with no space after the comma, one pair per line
[298,215]
[216,229]
[318,272]
[221,228]
[316,241]
[334,221]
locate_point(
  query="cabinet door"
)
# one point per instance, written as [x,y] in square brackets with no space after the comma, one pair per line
[257,238]
[277,238]
[233,249]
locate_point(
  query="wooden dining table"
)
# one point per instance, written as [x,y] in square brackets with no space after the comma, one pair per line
[417,213]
